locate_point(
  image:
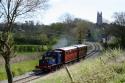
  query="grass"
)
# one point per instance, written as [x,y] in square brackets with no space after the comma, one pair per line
[109,68]
[19,68]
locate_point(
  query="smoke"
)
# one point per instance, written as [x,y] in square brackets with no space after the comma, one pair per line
[63,41]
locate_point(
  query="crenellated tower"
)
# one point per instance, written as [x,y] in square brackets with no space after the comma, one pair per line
[99,18]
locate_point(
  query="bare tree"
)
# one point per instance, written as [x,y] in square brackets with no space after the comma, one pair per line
[117,29]
[9,11]
[119,18]
[68,20]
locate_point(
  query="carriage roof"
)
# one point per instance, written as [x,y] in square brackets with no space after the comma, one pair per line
[72,47]
[68,48]
[80,45]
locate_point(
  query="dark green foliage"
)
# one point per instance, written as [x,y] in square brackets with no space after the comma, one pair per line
[117,29]
[30,48]
[118,32]
[27,41]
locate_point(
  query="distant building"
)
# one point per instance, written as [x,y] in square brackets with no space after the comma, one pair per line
[99,18]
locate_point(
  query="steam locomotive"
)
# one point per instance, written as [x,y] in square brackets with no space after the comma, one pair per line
[57,57]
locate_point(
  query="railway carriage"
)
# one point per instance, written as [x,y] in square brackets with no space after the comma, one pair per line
[82,49]
[68,53]
[57,57]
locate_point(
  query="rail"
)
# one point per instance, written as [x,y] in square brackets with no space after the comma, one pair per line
[95,49]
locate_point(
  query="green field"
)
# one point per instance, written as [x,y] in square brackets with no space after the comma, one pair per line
[109,68]
[19,68]
[27,65]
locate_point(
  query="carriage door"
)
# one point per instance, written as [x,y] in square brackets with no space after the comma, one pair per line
[77,53]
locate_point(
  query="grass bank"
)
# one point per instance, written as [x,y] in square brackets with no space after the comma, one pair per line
[109,68]
[19,68]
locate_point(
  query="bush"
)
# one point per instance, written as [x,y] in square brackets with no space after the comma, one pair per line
[30,48]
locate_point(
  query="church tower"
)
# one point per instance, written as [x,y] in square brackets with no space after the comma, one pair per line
[99,18]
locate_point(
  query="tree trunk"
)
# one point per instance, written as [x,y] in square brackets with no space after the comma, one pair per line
[8,71]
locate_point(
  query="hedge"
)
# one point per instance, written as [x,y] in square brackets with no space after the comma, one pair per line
[30,48]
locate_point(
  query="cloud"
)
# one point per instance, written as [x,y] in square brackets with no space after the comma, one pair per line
[85,9]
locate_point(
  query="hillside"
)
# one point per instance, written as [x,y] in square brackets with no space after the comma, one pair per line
[108,68]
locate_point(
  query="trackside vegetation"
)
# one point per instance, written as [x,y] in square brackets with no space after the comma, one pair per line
[107,68]
[19,68]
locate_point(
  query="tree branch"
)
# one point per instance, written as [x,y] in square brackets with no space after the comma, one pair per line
[3,7]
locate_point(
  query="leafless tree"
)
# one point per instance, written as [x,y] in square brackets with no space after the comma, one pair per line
[119,28]
[10,10]
[120,18]
[68,20]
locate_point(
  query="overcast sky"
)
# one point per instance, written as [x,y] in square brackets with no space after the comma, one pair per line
[85,9]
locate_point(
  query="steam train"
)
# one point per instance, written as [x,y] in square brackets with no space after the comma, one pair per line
[57,57]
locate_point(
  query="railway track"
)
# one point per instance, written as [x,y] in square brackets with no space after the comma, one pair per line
[27,79]
[94,50]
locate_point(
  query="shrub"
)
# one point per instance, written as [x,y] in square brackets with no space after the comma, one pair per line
[30,48]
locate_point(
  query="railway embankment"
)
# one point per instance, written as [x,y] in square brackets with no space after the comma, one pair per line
[92,49]
[107,68]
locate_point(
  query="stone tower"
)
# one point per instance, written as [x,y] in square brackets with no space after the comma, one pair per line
[99,18]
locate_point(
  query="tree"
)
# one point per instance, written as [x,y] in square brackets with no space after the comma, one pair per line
[118,28]
[118,32]
[80,30]
[119,18]
[68,21]
[10,10]
[44,40]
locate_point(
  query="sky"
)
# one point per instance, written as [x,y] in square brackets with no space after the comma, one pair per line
[84,9]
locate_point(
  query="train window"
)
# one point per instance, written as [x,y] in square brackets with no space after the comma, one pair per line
[50,59]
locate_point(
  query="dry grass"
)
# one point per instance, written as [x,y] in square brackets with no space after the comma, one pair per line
[22,57]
